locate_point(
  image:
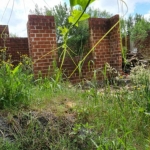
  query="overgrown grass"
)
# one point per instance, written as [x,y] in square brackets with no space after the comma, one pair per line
[15,85]
[59,115]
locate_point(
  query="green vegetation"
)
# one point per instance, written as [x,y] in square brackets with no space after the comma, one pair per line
[49,113]
[59,115]
[52,114]
[15,83]
[137,27]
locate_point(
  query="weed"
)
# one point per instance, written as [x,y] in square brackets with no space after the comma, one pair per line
[15,85]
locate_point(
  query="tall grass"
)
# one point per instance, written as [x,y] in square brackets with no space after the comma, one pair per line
[15,85]
[60,115]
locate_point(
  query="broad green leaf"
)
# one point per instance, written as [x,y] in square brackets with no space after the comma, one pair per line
[73,2]
[75,16]
[16,69]
[83,3]
[63,30]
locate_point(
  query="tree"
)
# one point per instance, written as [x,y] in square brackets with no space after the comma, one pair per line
[136,28]
[97,13]
[139,32]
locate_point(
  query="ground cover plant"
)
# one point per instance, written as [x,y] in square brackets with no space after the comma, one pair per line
[54,114]
[51,114]
[65,116]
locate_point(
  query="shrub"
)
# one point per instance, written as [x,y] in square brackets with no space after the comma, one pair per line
[15,85]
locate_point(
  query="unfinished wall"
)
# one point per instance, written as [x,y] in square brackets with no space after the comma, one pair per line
[15,47]
[42,40]
[101,53]
[70,65]
[109,49]
[115,44]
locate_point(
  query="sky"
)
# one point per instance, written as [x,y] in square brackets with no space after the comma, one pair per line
[17,18]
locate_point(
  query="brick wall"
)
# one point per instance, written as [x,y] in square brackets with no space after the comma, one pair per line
[115,44]
[101,54]
[70,65]
[15,47]
[42,39]
[109,49]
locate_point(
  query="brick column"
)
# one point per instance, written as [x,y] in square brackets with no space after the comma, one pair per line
[42,39]
[109,49]
[101,54]
[115,44]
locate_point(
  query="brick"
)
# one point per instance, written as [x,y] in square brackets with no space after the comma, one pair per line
[34,31]
[39,27]
[37,39]
[39,35]
[47,35]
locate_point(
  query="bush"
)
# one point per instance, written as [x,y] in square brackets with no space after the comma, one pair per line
[140,75]
[141,78]
[15,85]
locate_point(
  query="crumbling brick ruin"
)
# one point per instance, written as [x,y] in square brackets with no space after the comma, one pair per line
[42,39]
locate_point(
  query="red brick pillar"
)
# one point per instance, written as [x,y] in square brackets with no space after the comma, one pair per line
[42,39]
[115,44]
[109,49]
[101,54]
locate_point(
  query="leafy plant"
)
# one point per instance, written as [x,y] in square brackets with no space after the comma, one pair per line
[140,31]
[15,86]
[6,145]
[51,83]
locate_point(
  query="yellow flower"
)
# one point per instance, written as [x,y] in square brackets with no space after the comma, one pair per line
[120,77]
[20,63]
